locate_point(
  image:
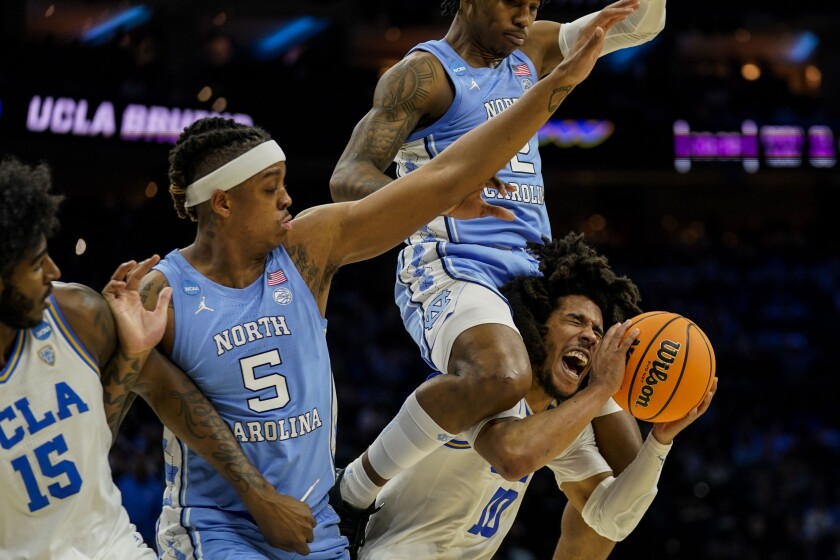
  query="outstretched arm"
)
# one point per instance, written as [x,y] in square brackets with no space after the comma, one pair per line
[378,222]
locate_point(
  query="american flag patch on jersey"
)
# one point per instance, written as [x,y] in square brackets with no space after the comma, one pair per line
[521,70]
[276,277]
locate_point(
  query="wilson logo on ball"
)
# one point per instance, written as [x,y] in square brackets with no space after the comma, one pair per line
[658,372]
[670,368]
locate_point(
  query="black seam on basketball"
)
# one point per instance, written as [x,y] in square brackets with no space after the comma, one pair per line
[638,365]
[682,372]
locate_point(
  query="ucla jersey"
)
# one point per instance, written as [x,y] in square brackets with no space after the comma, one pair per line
[259,354]
[454,505]
[487,250]
[59,499]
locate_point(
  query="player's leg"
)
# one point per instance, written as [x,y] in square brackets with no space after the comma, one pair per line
[477,343]
[579,541]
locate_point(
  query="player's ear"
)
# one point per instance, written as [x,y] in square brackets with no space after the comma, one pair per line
[220,203]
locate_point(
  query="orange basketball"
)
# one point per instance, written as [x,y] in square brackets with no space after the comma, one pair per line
[670,368]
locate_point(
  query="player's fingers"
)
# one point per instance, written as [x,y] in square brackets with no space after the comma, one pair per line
[123,269]
[614,18]
[497,184]
[491,210]
[707,402]
[303,548]
[622,4]
[140,270]
[614,333]
[593,44]
[629,339]
[113,288]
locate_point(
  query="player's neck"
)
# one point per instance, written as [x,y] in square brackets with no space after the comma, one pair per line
[225,265]
[538,400]
[472,53]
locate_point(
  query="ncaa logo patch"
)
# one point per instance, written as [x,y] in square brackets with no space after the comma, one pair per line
[190,287]
[47,355]
[460,70]
[283,296]
[526,83]
[42,331]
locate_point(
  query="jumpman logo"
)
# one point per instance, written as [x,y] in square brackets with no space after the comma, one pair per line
[474,85]
[203,306]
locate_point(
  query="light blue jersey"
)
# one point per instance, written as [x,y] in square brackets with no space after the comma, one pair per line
[487,251]
[259,354]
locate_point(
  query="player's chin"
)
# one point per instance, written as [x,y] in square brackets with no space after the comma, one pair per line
[565,385]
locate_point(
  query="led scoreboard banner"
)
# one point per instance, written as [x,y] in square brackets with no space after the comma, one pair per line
[78,117]
[776,146]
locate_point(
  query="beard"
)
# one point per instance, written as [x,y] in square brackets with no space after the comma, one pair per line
[16,310]
[546,382]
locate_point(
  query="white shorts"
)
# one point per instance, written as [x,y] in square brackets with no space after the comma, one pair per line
[467,305]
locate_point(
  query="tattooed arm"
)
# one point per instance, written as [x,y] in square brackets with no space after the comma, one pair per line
[138,330]
[285,521]
[412,94]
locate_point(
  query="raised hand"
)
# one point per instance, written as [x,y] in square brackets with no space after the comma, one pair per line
[575,68]
[610,15]
[610,356]
[139,329]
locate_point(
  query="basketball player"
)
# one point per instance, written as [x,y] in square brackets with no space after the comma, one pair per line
[59,497]
[249,298]
[449,273]
[461,500]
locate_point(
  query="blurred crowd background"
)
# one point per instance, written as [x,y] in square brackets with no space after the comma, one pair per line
[702,164]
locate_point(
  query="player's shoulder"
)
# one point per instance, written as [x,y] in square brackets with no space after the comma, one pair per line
[77,300]
[150,287]
[418,62]
[88,316]
[421,76]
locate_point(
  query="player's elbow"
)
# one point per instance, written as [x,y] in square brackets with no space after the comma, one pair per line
[513,465]
[339,184]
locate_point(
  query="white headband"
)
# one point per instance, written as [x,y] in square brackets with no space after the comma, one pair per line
[234,172]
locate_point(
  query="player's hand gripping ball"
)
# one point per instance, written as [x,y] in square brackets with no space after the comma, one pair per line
[670,368]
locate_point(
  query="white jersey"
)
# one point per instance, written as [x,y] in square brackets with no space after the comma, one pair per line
[59,499]
[454,505]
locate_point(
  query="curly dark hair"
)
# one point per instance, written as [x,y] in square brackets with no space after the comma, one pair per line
[27,210]
[450,7]
[569,267]
[204,146]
